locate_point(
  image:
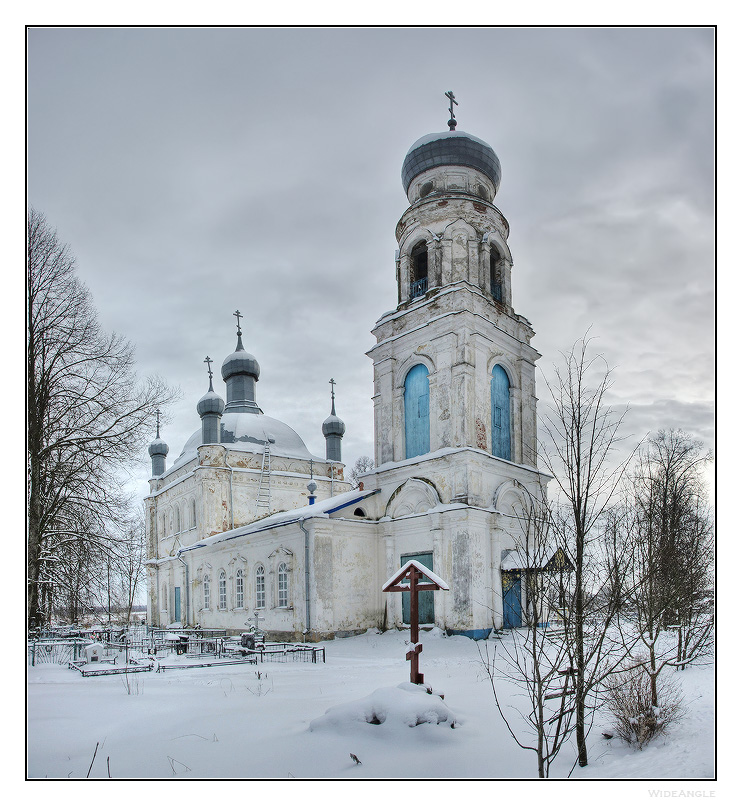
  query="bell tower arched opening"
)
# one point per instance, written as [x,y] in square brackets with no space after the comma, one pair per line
[419,267]
[495,275]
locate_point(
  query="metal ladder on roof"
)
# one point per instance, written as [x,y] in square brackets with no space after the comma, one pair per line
[264,486]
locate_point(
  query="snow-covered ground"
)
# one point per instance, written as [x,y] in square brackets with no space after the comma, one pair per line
[270,721]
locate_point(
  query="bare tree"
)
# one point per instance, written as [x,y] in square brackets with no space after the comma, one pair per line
[672,554]
[540,717]
[581,435]
[362,465]
[88,417]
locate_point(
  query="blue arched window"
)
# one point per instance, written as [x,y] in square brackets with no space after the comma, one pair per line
[500,413]
[417,412]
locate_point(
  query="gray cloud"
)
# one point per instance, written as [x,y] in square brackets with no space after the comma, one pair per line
[195,171]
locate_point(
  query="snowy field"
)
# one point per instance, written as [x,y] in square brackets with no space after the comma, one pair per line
[229,723]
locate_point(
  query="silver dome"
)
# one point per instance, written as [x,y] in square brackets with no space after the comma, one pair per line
[450,148]
[249,432]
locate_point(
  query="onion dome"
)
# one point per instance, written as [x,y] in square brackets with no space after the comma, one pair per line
[158,447]
[450,148]
[158,450]
[240,362]
[333,425]
[333,428]
[210,403]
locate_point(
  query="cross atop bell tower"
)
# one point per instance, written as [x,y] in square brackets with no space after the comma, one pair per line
[453,366]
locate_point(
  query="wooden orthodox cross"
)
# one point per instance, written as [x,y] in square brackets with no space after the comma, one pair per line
[408,580]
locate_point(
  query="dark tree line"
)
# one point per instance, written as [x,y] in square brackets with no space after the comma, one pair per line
[88,418]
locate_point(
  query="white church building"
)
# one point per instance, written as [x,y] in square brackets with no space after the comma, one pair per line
[247,520]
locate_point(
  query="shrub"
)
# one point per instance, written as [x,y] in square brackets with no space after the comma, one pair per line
[637,721]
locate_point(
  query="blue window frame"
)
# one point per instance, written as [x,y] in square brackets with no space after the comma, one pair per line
[500,413]
[417,412]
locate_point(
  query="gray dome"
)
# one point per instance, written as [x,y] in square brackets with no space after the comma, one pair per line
[210,403]
[158,447]
[333,425]
[450,148]
[240,362]
[249,432]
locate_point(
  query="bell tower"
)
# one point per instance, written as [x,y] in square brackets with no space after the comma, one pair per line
[453,363]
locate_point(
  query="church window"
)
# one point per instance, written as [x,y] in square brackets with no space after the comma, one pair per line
[162,526]
[283,585]
[163,603]
[240,589]
[207,592]
[495,276]
[417,411]
[426,189]
[193,513]
[260,587]
[177,519]
[500,413]
[222,590]
[419,260]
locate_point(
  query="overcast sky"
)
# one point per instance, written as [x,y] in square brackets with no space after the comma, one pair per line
[197,171]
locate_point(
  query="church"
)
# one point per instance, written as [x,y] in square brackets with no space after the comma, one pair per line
[247,526]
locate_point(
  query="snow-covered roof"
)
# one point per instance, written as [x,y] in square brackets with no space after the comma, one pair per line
[394,579]
[320,509]
[251,432]
[517,559]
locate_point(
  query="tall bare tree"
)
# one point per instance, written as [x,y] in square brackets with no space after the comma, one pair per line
[579,448]
[540,717]
[88,416]
[672,553]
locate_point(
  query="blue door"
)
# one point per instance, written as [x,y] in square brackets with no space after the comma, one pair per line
[417,412]
[511,609]
[425,613]
[500,413]
[177,604]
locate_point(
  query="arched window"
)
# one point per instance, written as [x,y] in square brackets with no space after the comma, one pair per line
[260,587]
[222,590]
[240,589]
[359,513]
[283,585]
[177,519]
[495,275]
[163,603]
[162,526]
[170,521]
[417,412]
[193,513]
[207,592]
[500,413]
[419,265]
